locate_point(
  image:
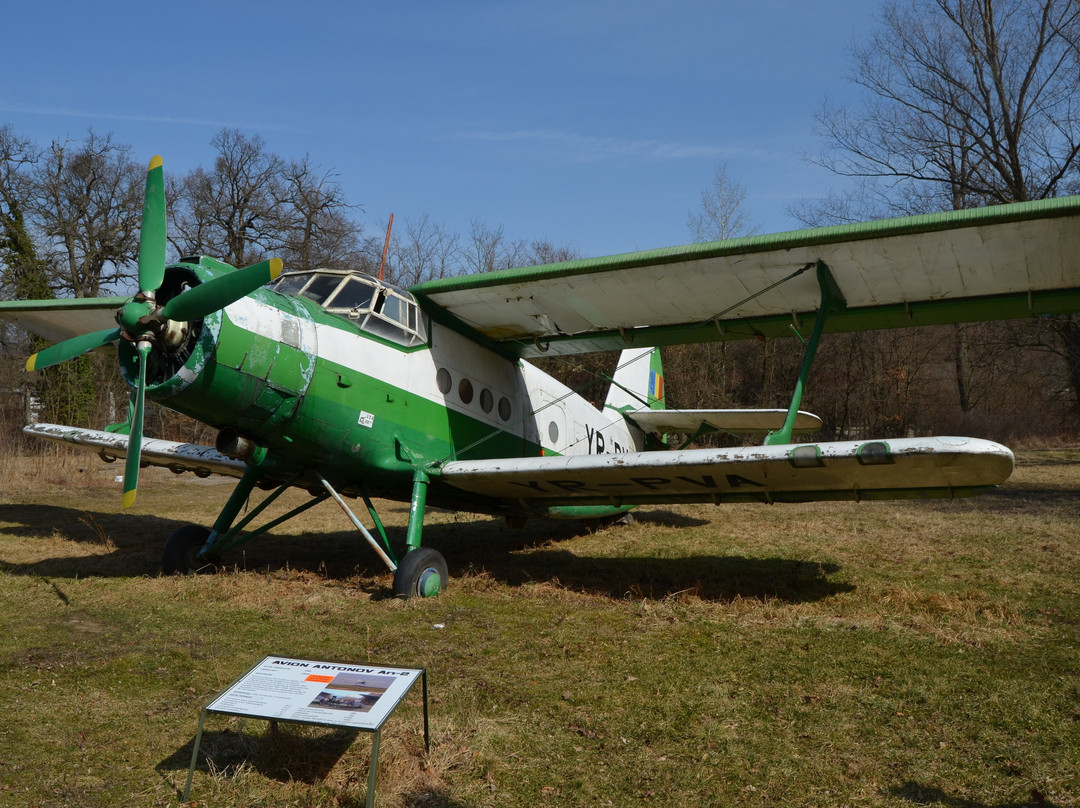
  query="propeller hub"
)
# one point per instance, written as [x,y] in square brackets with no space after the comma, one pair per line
[135,317]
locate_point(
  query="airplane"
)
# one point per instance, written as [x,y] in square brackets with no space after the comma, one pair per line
[350,387]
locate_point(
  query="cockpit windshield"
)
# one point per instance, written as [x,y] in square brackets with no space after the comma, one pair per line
[376,307]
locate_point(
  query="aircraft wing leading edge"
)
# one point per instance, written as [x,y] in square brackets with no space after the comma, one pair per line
[908,468]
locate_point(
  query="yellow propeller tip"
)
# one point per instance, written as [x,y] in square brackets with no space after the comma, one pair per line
[129,498]
[31,363]
[155,162]
[276,266]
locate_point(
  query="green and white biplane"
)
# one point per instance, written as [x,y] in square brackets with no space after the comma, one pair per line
[348,387]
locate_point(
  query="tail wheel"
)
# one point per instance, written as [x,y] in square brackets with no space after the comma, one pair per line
[181,555]
[421,574]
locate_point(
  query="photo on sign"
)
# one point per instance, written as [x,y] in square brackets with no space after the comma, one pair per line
[353,692]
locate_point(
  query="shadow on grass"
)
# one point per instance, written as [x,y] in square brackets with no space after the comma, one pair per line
[920,794]
[280,753]
[1017,498]
[714,578]
[130,545]
[287,753]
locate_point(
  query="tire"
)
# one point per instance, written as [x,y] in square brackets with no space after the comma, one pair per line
[181,554]
[421,574]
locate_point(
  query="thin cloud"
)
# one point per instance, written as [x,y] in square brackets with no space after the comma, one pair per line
[61,112]
[609,147]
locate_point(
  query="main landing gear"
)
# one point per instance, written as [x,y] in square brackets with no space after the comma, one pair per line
[421,573]
[181,556]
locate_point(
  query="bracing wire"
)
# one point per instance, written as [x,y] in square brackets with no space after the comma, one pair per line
[675,339]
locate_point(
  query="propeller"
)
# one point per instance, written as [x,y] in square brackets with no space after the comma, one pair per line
[143,323]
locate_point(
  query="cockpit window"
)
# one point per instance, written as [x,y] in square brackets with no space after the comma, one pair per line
[376,307]
[321,287]
[292,284]
[354,294]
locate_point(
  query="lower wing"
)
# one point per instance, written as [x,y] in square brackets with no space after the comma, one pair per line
[177,457]
[909,468]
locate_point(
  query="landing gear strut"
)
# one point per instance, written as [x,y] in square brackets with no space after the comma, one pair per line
[422,572]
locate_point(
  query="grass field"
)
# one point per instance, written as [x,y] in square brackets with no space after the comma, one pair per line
[880,654]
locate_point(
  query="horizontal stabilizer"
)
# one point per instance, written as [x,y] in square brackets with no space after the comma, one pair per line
[909,468]
[736,422]
[177,457]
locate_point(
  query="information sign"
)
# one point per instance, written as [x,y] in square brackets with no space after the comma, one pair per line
[313,692]
[308,691]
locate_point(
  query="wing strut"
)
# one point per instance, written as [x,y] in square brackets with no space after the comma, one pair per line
[832,301]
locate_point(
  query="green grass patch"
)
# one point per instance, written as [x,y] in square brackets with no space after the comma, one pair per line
[879,654]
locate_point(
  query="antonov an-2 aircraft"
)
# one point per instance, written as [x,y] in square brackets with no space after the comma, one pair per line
[349,387]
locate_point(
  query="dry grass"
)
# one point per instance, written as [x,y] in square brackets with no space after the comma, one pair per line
[883,654]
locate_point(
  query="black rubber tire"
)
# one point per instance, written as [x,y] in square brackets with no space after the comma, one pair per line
[421,574]
[180,556]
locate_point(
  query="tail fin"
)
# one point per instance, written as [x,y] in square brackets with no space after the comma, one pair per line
[638,382]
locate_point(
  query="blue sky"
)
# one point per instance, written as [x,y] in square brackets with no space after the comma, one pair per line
[592,124]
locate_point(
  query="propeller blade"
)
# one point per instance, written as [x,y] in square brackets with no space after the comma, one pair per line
[218,293]
[71,348]
[152,237]
[135,435]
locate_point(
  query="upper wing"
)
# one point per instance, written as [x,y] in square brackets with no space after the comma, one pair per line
[990,263]
[177,457]
[910,468]
[58,320]
[736,422]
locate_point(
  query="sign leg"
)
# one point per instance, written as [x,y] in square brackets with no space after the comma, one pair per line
[194,755]
[373,772]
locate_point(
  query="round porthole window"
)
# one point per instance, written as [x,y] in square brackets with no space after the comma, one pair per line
[553,432]
[443,381]
[504,408]
[487,400]
[465,391]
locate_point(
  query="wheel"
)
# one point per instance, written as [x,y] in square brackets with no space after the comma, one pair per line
[181,555]
[421,574]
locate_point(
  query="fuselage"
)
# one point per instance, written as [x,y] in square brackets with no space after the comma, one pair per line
[341,374]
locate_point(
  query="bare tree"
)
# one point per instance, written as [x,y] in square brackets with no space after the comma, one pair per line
[231,211]
[969,102]
[423,251]
[87,202]
[487,249]
[543,251]
[723,213]
[313,228]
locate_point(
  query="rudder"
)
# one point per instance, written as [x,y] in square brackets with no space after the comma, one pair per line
[638,382]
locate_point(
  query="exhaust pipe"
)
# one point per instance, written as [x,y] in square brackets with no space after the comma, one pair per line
[232,444]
